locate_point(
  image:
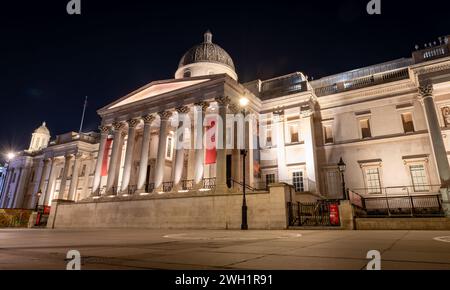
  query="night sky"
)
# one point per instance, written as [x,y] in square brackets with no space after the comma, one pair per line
[50,60]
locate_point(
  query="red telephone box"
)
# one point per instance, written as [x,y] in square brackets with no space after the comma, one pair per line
[334,214]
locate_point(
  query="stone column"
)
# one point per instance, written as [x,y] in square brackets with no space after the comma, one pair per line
[62,187]
[48,190]
[440,154]
[115,154]
[307,131]
[143,163]
[238,143]
[129,153]
[278,123]
[221,162]
[44,173]
[104,131]
[74,180]
[199,118]
[162,142]
[179,156]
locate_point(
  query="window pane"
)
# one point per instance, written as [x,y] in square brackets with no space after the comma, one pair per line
[294,133]
[328,134]
[297,181]
[365,128]
[408,125]
[270,178]
[373,180]
[419,178]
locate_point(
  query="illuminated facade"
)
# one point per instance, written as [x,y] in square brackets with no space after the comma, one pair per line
[389,123]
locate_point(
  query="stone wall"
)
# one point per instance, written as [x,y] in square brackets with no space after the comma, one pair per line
[437,224]
[266,210]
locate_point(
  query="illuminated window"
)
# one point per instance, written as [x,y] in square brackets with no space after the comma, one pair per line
[328,134]
[373,182]
[270,178]
[293,131]
[418,177]
[297,181]
[408,125]
[364,124]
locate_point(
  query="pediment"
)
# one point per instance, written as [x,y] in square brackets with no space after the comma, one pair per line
[155,89]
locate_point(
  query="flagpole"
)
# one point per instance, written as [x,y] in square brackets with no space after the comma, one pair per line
[82,116]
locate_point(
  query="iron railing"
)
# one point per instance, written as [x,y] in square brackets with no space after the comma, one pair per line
[187,184]
[167,186]
[397,201]
[149,187]
[312,214]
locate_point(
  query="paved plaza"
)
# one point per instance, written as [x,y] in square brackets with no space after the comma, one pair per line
[220,249]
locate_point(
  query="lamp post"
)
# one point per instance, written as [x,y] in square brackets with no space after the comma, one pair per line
[341,166]
[244,226]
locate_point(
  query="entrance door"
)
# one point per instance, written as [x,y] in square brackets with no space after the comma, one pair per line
[229,170]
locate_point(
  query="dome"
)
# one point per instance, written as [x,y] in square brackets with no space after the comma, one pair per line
[207,52]
[42,129]
[206,58]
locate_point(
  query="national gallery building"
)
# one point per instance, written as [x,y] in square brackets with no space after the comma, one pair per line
[177,153]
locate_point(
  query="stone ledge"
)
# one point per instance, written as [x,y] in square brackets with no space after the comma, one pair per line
[402,223]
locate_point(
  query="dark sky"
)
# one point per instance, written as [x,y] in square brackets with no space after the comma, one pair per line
[50,60]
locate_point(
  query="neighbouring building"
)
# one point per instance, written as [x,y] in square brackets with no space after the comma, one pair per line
[388,122]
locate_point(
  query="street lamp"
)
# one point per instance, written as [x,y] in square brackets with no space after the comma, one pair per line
[341,166]
[10,156]
[244,226]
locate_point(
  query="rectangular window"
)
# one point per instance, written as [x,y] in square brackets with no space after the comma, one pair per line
[333,183]
[83,170]
[419,178]
[373,182]
[169,148]
[297,181]
[269,137]
[364,124]
[270,178]
[328,134]
[408,125]
[293,130]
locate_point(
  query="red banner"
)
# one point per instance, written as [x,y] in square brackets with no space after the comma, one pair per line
[334,214]
[210,152]
[105,157]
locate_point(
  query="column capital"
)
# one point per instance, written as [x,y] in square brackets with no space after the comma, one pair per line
[203,104]
[234,108]
[222,101]
[104,129]
[78,155]
[118,125]
[165,115]
[182,109]
[148,119]
[123,134]
[133,122]
[426,89]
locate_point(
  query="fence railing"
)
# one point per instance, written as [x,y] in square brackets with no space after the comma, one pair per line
[397,201]
[312,214]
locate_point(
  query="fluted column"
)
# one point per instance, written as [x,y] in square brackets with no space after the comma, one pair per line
[113,161]
[434,129]
[44,173]
[48,191]
[62,186]
[162,142]
[74,180]
[221,162]
[179,156]
[143,163]
[129,153]
[199,118]
[104,131]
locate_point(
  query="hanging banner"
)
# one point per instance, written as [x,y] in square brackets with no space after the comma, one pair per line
[210,151]
[105,157]
[256,154]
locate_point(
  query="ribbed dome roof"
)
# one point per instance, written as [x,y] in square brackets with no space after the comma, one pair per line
[42,129]
[207,52]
